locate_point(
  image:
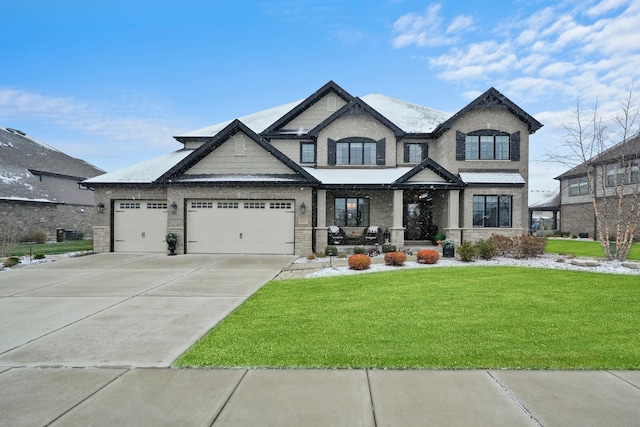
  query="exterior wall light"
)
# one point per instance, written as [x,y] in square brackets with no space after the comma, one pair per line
[174,207]
[303,208]
[100,208]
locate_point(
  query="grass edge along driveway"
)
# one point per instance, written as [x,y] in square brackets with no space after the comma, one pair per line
[441,318]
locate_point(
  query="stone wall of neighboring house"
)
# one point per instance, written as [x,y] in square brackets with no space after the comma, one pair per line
[28,217]
[580,218]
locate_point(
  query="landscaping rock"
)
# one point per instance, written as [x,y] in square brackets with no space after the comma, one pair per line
[631,264]
[585,262]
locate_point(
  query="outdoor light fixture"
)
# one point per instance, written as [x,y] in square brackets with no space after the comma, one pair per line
[100,207]
[174,207]
[303,208]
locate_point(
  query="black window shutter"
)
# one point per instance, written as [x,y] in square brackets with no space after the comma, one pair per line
[514,147]
[381,152]
[425,151]
[459,145]
[331,152]
[406,152]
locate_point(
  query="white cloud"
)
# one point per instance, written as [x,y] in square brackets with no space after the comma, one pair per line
[119,122]
[427,29]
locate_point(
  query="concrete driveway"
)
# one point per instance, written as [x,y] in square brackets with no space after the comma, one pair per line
[121,310]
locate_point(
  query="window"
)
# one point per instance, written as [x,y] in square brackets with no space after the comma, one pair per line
[486,147]
[355,153]
[634,176]
[617,175]
[202,205]
[280,205]
[129,205]
[492,211]
[351,212]
[414,152]
[578,186]
[157,205]
[254,205]
[227,205]
[307,152]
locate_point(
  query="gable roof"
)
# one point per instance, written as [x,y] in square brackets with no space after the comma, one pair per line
[330,87]
[491,99]
[356,107]
[429,163]
[628,149]
[18,184]
[213,143]
[411,118]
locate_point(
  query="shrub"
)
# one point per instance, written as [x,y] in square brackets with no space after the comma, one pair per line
[524,246]
[331,250]
[388,247]
[486,249]
[39,256]
[320,255]
[359,262]
[427,256]
[311,257]
[373,252]
[358,250]
[40,236]
[11,262]
[342,255]
[467,251]
[395,258]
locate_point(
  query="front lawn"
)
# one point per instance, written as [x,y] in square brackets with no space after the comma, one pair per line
[52,248]
[584,248]
[446,318]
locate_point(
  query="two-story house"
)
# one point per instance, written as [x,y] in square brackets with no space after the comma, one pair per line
[614,172]
[274,181]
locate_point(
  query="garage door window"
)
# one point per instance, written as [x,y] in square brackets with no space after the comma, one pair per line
[157,205]
[227,205]
[280,205]
[254,205]
[201,205]
[129,205]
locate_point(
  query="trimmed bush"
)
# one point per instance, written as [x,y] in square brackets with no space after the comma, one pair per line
[311,257]
[467,251]
[427,256]
[11,262]
[39,256]
[358,250]
[524,246]
[320,255]
[342,255]
[395,258]
[487,249]
[388,247]
[331,250]
[359,262]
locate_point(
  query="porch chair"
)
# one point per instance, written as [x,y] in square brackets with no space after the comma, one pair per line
[372,235]
[335,235]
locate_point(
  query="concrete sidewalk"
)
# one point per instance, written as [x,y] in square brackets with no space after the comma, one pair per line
[88,341]
[171,397]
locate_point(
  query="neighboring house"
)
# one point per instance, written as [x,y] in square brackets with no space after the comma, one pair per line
[274,181]
[544,215]
[40,188]
[576,205]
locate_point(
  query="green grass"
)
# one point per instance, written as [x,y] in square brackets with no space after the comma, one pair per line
[584,248]
[446,318]
[53,248]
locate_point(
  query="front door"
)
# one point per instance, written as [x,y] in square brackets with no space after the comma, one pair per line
[417,218]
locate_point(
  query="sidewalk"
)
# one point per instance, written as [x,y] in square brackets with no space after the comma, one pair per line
[290,397]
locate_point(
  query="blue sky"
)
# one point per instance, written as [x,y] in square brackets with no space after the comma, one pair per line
[112,82]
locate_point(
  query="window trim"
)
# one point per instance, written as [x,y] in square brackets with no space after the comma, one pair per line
[424,152]
[485,134]
[362,211]
[315,151]
[499,208]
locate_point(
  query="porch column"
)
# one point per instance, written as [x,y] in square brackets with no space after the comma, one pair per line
[321,221]
[453,222]
[397,230]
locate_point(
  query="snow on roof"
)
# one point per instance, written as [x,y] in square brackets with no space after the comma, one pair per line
[144,172]
[238,178]
[26,199]
[358,176]
[492,178]
[550,201]
[412,118]
[257,122]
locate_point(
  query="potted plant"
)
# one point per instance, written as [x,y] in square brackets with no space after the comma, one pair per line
[437,239]
[172,241]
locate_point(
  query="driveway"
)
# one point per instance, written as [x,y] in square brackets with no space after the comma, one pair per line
[121,310]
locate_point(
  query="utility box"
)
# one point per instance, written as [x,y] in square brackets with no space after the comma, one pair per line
[60,234]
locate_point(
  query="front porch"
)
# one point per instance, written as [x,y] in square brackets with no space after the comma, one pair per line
[407,217]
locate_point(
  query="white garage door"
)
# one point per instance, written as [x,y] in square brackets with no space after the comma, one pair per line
[240,226]
[140,226]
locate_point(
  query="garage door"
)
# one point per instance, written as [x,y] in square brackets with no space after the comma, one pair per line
[140,226]
[240,226]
